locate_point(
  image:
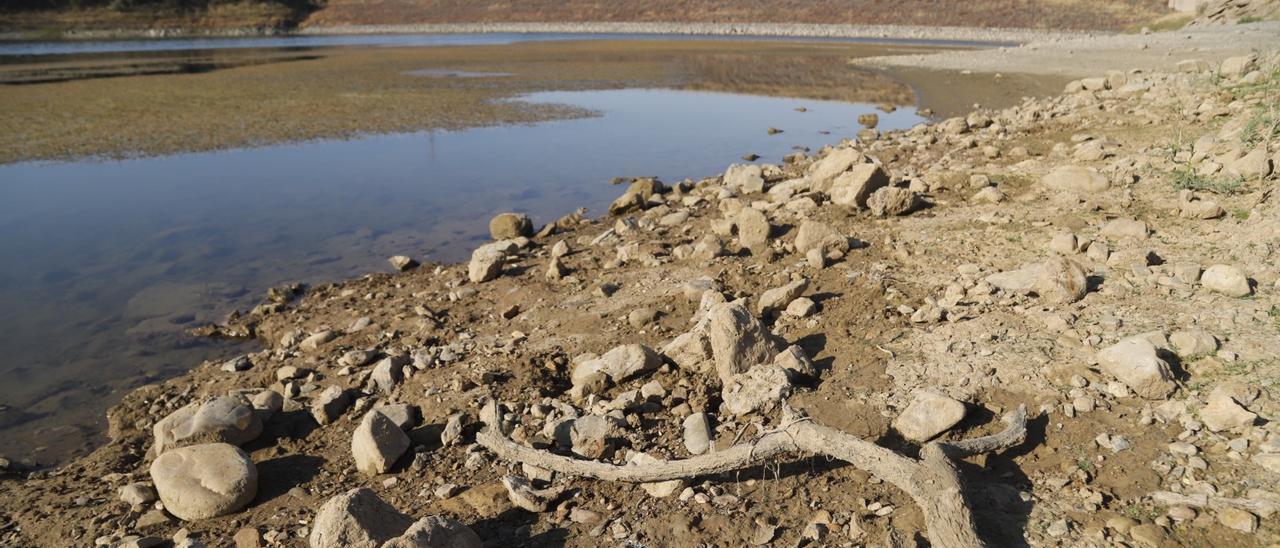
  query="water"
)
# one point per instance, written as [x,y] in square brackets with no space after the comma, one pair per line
[103,263]
[398,40]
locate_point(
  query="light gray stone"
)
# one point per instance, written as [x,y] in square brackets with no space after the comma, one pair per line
[1227,280]
[928,415]
[356,519]
[1136,363]
[377,443]
[738,340]
[229,419]
[204,481]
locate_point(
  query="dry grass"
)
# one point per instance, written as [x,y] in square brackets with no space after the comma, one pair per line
[260,97]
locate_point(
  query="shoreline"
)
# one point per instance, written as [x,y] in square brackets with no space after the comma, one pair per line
[904,33]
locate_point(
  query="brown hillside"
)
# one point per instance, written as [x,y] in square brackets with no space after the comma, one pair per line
[1051,14]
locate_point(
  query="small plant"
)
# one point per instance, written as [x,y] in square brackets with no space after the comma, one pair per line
[1262,127]
[1138,513]
[1190,180]
[1249,19]
[1241,214]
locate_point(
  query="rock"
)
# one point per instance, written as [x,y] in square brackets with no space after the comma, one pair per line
[802,307]
[436,532]
[834,163]
[781,296]
[1021,280]
[659,489]
[1238,519]
[707,248]
[555,269]
[759,389]
[1135,362]
[698,433]
[928,415]
[689,350]
[1254,165]
[453,430]
[820,236]
[753,229]
[509,226]
[1125,228]
[524,496]
[1193,342]
[1191,207]
[854,187]
[485,265]
[138,494]
[1080,180]
[402,263]
[1225,409]
[377,443]
[626,203]
[228,419]
[646,187]
[356,519]
[266,404]
[1235,67]
[619,364]
[1063,243]
[954,126]
[642,317]
[590,436]
[237,364]
[738,340]
[990,195]
[892,200]
[1061,281]
[204,481]
[1227,280]
[387,373]
[313,341]
[330,404]
[406,416]
[747,178]
[794,360]
[870,120]
[248,537]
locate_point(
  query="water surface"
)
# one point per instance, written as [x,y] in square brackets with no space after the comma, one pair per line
[103,263]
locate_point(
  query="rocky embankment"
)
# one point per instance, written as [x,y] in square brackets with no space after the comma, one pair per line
[805,353]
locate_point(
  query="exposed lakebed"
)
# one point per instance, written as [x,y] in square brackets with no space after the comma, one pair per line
[105,263]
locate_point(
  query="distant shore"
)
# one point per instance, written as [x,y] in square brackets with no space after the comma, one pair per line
[975,35]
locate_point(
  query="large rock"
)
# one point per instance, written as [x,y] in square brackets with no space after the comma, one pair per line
[357,519]
[738,340]
[1081,180]
[697,433]
[227,419]
[753,228]
[928,415]
[509,226]
[820,236]
[485,265]
[834,163]
[1137,364]
[436,532]
[377,443]
[1227,280]
[854,187]
[1225,409]
[204,481]
[619,364]
[747,178]
[1235,67]
[760,389]
[1061,281]
[892,200]
[780,297]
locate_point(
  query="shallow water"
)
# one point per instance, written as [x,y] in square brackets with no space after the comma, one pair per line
[66,47]
[104,262]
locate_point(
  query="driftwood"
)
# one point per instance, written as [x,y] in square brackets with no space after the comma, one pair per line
[932,480]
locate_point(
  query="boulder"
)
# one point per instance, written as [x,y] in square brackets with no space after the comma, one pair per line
[1227,280]
[227,419]
[928,415]
[485,265]
[387,373]
[892,200]
[619,364]
[1136,363]
[1193,342]
[204,481]
[834,163]
[509,226]
[746,178]
[854,187]
[820,236]
[330,404]
[357,519]
[436,532]
[689,351]
[698,433]
[738,340]
[1077,179]
[1061,281]
[1225,409]
[779,297]
[760,389]
[753,229]
[377,443]
[1235,67]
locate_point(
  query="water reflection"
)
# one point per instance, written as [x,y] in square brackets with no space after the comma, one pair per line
[103,263]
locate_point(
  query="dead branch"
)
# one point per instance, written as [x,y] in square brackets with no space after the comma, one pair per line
[932,480]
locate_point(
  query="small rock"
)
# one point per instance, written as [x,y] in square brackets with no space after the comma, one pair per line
[330,404]
[1135,362]
[1227,280]
[1061,281]
[697,433]
[1238,519]
[802,307]
[781,296]
[402,263]
[1076,179]
[509,226]
[891,200]
[377,443]
[854,187]
[928,415]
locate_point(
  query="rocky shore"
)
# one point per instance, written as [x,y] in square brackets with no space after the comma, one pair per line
[814,353]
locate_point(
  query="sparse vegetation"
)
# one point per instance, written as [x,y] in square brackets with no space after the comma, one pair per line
[1188,179]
